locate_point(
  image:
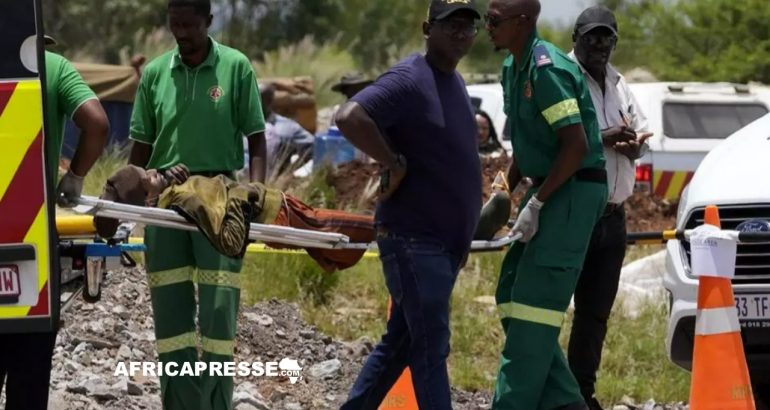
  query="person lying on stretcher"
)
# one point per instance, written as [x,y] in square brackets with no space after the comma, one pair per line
[224,209]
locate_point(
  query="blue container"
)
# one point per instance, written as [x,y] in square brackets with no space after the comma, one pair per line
[332,148]
[119,116]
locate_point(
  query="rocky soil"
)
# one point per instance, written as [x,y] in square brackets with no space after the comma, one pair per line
[119,328]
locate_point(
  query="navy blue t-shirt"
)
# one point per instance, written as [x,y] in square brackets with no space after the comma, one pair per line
[427,116]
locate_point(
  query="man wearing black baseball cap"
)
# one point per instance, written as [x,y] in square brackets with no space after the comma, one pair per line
[430,201]
[620,119]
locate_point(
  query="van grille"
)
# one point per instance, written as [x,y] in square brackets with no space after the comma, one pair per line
[753,259]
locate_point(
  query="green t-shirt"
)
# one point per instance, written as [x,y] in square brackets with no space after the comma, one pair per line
[543,94]
[197,116]
[65,93]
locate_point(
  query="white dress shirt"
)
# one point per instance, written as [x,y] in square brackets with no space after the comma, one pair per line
[616,99]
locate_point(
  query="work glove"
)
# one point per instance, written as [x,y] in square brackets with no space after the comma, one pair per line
[527,221]
[69,190]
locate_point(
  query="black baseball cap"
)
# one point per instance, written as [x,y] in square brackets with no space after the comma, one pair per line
[593,17]
[203,6]
[441,9]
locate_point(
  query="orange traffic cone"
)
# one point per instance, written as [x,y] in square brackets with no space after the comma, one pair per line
[720,376]
[401,396]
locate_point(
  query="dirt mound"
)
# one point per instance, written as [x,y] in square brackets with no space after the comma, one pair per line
[354,179]
[645,213]
[353,183]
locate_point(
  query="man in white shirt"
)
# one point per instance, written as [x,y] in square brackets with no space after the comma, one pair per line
[624,135]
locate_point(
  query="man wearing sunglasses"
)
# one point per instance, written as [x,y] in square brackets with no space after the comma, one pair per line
[418,122]
[623,132]
[557,144]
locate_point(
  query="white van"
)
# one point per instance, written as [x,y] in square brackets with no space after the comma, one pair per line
[688,119]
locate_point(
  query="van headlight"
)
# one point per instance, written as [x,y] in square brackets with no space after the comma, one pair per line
[682,205]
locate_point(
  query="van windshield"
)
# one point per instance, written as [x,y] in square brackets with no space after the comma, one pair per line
[708,120]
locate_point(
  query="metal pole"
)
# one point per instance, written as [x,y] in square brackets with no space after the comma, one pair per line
[662,237]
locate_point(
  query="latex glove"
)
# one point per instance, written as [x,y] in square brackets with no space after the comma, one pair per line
[69,190]
[528,220]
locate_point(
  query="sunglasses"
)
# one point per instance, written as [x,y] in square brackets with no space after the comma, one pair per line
[456,28]
[495,21]
[594,40]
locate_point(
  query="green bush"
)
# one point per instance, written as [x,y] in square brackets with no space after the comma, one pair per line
[324,63]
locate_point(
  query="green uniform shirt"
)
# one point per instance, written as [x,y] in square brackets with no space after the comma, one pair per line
[197,116]
[65,93]
[542,94]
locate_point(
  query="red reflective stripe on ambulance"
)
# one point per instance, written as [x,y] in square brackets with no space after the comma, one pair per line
[41,309]
[20,203]
[662,185]
[687,180]
[6,91]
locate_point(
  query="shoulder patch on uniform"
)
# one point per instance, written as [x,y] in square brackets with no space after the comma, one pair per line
[542,56]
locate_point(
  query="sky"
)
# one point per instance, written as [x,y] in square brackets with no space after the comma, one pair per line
[563,12]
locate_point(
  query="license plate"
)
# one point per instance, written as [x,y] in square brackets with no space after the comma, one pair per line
[10,286]
[753,306]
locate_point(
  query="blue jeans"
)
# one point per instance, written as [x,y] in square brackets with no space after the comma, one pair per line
[420,275]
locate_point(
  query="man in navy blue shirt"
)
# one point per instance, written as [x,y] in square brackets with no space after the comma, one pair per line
[417,121]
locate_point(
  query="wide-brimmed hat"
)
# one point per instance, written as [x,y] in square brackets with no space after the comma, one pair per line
[351,79]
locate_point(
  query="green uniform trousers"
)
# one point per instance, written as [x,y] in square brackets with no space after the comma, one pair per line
[176,261]
[536,283]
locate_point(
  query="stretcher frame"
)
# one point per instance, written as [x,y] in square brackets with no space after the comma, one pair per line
[167,218]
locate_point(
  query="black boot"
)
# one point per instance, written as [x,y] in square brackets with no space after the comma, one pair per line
[494,215]
[574,406]
[593,404]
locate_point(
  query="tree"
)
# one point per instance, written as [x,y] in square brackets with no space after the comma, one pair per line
[695,40]
[101,28]
[259,26]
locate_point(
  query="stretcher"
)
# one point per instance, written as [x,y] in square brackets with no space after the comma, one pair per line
[167,218]
[97,255]
[661,237]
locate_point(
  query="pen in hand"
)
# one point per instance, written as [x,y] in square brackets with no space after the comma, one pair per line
[624,118]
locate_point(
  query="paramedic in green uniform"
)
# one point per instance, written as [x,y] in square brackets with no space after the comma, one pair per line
[194,105]
[556,143]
